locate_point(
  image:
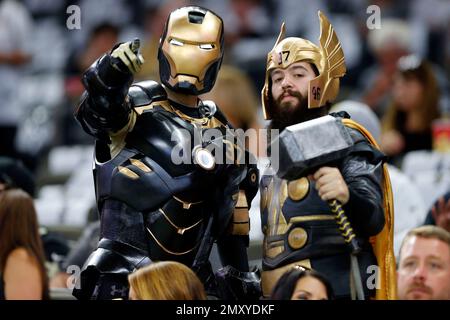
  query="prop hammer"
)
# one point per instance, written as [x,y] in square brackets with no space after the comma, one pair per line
[306,147]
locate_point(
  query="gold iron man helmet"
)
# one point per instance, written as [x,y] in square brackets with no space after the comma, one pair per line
[328,59]
[191,50]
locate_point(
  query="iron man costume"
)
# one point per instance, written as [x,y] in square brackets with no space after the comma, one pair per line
[150,207]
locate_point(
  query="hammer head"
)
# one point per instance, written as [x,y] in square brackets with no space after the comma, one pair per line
[307,146]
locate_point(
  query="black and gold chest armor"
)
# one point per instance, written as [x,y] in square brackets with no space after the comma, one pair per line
[173,201]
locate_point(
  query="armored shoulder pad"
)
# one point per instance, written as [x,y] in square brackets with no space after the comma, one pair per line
[146,92]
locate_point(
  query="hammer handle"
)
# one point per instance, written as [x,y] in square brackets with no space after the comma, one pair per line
[344,226]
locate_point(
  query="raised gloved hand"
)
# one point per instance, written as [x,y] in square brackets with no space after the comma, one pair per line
[127,56]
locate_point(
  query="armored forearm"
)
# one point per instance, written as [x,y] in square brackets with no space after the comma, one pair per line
[104,107]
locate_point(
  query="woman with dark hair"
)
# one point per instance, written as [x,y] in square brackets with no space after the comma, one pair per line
[300,283]
[22,261]
[406,125]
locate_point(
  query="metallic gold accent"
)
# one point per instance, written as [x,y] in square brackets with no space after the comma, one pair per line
[283,227]
[336,207]
[167,250]
[118,137]
[253,177]
[274,196]
[344,226]
[130,174]
[179,229]
[242,200]
[187,60]
[346,233]
[241,222]
[201,121]
[165,104]
[270,277]
[298,189]
[241,229]
[297,238]
[316,217]
[277,197]
[329,60]
[204,122]
[186,205]
[350,238]
[140,110]
[281,35]
[140,165]
[274,244]
[241,216]
[332,66]
[274,251]
[341,220]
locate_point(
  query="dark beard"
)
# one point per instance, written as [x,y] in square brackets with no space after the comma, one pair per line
[287,114]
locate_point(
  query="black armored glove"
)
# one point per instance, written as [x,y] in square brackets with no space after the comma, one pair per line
[104,108]
[127,57]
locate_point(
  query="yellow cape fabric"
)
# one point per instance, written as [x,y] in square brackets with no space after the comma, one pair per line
[383,242]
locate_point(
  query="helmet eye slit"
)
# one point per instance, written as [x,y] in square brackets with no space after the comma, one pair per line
[176,42]
[206,46]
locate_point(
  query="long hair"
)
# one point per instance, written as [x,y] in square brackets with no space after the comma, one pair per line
[428,105]
[285,286]
[19,229]
[166,280]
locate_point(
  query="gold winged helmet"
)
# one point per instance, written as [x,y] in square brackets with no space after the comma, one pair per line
[328,59]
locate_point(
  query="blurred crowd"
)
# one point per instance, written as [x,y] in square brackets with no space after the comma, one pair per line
[397,86]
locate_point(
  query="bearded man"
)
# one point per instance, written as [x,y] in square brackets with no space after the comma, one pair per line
[299,227]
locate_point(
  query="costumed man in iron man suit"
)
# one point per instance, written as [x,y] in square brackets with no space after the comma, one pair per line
[151,206]
[299,227]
